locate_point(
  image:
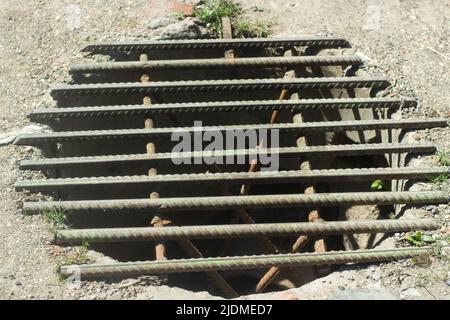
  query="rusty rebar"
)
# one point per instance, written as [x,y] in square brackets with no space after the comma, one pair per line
[232,85]
[263,177]
[220,63]
[234,231]
[145,45]
[287,152]
[245,262]
[53,137]
[221,106]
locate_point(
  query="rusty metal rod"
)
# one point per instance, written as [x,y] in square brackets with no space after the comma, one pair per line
[245,262]
[221,106]
[145,45]
[231,202]
[214,276]
[53,137]
[263,177]
[75,236]
[262,62]
[218,85]
[288,152]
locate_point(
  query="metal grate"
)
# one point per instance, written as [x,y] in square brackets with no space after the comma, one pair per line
[106,150]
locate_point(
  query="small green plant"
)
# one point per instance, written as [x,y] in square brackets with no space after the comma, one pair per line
[443,158]
[440,178]
[56,218]
[419,239]
[212,12]
[76,257]
[377,185]
[245,29]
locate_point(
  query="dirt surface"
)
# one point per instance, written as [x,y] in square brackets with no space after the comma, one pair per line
[39,40]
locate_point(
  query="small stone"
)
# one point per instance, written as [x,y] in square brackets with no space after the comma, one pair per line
[407,283]
[364,294]
[411,292]
[377,275]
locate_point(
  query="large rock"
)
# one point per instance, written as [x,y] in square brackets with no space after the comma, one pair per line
[354,213]
[189,28]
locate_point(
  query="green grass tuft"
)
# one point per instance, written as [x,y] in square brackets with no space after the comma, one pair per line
[245,29]
[212,12]
[418,239]
[56,219]
[75,257]
[443,158]
[440,178]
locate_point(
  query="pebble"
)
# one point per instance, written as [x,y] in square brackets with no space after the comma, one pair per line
[407,283]
[411,292]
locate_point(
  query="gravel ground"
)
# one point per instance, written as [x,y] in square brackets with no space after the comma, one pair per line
[41,39]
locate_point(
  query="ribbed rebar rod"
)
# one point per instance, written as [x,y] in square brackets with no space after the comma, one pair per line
[262,177]
[76,236]
[218,85]
[241,263]
[288,152]
[230,202]
[225,44]
[52,137]
[226,106]
[262,62]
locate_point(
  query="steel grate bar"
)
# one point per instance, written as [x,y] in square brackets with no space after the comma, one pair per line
[226,44]
[239,177]
[288,152]
[230,202]
[126,269]
[235,231]
[218,85]
[227,106]
[264,62]
[38,138]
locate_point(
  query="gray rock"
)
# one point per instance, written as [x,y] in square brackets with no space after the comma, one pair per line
[359,212]
[364,294]
[159,22]
[97,257]
[188,28]
[9,137]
